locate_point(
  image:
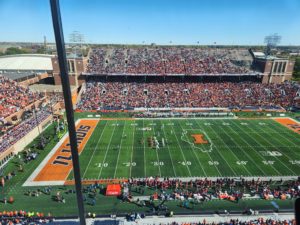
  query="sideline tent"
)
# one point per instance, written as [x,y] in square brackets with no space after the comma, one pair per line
[113,190]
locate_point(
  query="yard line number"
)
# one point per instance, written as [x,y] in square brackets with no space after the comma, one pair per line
[268,162]
[102,164]
[185,163]
[242,162]
[158,163]
[271,153]
[129,164]
[213,163]
[295,162]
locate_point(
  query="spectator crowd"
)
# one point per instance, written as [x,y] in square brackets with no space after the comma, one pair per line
[19,131]
[14,97]
[205,189]
[23,218]
[168,60]
[259,221]
[126,93]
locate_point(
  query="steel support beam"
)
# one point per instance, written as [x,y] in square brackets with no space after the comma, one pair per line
[62,59]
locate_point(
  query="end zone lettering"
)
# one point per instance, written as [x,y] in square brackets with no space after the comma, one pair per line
[64,156]
[58,167]
[81,133]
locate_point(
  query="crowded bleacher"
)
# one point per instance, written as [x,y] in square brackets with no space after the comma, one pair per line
[19,131]
[168,61]
[14,97]
[22,217]
[260,221]
[206,189]
[128,93]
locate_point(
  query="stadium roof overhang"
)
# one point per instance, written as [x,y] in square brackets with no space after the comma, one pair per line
[18,76]
[26,62]
[259,54]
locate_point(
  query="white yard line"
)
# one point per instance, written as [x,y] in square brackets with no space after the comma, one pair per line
[181,150]
[132,148]
[211,157]
[119,150]
[196,155]
[238,146]
[229,148]
[86,169]
[226,160]
[43,183]
[158,162]
[250,146]
[106,153]
[144,146]
[281,153]
[280,134]
[169,152]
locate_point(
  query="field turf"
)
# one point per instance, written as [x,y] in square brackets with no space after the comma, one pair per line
[271,132]
[235,147]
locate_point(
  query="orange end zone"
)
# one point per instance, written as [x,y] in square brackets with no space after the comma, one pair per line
[198,139]
[59,165]
[289,123]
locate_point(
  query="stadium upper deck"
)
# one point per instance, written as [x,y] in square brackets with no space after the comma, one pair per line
[163,60]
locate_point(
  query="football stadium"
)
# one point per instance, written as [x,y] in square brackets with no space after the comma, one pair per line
[165,134]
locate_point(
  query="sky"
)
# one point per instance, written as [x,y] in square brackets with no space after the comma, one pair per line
[224,22]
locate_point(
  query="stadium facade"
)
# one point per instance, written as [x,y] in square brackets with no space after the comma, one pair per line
[274,70]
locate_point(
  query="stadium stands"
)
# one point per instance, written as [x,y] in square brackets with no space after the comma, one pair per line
[19,220]
[126,93]
[260,221]
[168,61]
[222,188]
[19,131]
[22,217]
[14,97]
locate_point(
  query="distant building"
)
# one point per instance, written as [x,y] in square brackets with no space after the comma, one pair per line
[76,66]
[26,68]
[274,69]
[29,63]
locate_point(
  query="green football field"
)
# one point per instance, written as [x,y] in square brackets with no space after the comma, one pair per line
[166,148]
